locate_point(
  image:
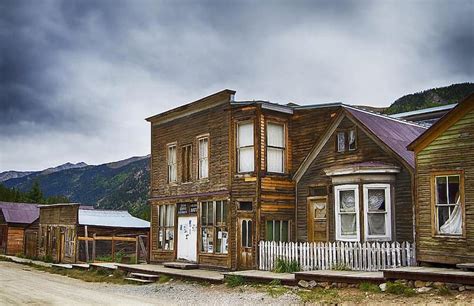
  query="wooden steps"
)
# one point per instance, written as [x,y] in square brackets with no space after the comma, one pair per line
[146,276]
[139,280]
[180,265]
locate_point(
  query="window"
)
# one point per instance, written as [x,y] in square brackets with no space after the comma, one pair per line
[203,165]
[172,175]
[346,140]
[166,227]
[448,205]
[377,208]
[245,206]
[246,233]
[186,163]
[347,212]
[245,150]
[214,227]
[277,230]
[275,148]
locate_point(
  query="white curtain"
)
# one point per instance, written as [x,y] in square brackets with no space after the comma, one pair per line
[347,204]
[245,135]
[348,224]
[172,164]
[454,224]
[376,224]
[274,160]
[203,158]
[246,157]
[376,199]
[275,135]
[341,142]
[245,144]
[347,198]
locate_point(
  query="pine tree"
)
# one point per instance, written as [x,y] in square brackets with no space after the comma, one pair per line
[36,195]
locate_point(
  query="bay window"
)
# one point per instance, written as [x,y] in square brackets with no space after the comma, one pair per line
[377,211]
[166,227]
[347,212]
[203,164]
[448,210]
[245,147]
[214,232]
[275,147]
[172,165]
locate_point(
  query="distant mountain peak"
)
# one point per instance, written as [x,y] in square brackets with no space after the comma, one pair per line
[65,166]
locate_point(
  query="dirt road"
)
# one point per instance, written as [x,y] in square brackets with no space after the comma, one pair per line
[20,285]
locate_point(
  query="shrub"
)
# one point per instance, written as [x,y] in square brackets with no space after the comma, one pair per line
[369,287]
[234,281]
[399,289]
[284,266]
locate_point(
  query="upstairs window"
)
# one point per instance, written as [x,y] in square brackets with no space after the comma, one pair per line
[448,205]
[346,140]
[186,163]
[275,148]
[203,165]
[245,148]
[341,142]
[172,166]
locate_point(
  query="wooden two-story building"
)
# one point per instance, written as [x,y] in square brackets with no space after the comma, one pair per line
[225,175]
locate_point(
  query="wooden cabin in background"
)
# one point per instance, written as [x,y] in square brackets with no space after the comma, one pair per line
[445,188]
[224,176]
[18,228]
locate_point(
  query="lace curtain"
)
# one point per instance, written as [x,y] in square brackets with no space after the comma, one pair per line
[376,214]
[348,221]
[454,224]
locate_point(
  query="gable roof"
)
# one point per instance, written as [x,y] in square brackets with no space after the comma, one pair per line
[110,218]
[22,213]
[443,124]
[393,133]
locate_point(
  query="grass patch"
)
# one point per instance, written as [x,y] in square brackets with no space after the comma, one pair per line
[399,289]
[164,279]
[2,258]
[285,266]
[341,267]
[233,281]
[369,287]
[276,291]
[91,276]
[444,291]
[319,295]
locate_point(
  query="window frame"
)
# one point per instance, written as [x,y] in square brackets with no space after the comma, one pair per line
[216,227]
[337,190]
[281,229]
[283,149]
[169,164]
[163,228]
[433,208]
[198,140]
[345,132]
[388,211]
[238,148]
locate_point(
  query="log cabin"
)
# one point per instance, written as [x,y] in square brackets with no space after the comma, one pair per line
[16,219]
[225,175]
[445,188]
[62,225]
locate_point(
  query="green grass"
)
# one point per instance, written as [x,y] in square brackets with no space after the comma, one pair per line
[276,291]
[164,279]
[399,288]
[369,287]
[92,275]
[285,266]
[341,267]
[444,291]
[319,295]
[234,281]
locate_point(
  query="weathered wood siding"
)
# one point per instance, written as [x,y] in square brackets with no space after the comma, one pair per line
[452,150]
[16,235]
[367,150]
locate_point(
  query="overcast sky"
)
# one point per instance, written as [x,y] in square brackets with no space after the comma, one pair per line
[77,78]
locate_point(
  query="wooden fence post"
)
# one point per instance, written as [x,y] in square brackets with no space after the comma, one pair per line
[93,248]
[113,249]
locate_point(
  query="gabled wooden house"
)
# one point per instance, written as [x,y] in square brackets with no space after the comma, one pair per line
[16,219]
[356,183]
[445,188]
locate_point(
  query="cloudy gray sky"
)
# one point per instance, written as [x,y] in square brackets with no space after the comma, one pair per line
[77,78]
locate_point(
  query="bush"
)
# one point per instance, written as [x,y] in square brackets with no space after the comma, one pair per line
[234,281]
[399,289]
[284,266]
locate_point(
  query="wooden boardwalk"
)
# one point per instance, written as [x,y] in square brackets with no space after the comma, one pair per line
[431,274]
[332,276]
[264,276]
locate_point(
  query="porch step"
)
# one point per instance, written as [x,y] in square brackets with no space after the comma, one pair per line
[468,266]
[181,265]
[150,277]
[139,280]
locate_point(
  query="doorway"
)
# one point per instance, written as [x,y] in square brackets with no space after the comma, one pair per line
[245,243]
[187,239]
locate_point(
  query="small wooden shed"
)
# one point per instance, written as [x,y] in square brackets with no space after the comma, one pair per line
[15,218]
[445,188]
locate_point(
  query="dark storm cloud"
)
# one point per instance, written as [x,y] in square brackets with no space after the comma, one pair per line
[78,77]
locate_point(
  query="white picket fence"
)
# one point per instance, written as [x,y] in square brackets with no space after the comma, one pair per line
[367,256]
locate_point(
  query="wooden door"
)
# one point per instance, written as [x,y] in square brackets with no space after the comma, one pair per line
[187,239]
[31,244]
[317,219]
[245,243]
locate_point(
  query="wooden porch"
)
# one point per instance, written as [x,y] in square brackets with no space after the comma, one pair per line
[430,274]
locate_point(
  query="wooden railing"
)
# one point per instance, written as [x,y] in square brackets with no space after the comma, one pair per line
[137,241]
[367,256]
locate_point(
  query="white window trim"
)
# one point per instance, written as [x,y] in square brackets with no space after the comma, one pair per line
[388,215]
[283,149]
[252,146]
[337,189]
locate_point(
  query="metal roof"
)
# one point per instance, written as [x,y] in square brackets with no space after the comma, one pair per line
[424,111]
[23,213]
[110,218]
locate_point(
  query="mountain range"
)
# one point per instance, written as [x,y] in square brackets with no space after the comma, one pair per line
[125,184]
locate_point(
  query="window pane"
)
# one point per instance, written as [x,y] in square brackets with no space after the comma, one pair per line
[219,212]
[443,215]
[210,213]
[203,158]
[203,148]
[275,135]
[204,213]
[246,160]
[169,239]
[207,243]
[352,140]
[376,223]
[269,231]
[162,213]
[348,225]
[347,200]
[284,231]
[453,189]
[441,190]
[245,206]
[225,206]
[376,199]
[244,233]
[275,160]
[341,142]
[222,241]
[245,135]
[170,215]
[249,233]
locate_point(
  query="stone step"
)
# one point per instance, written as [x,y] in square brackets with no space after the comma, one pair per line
[181,265]
[145,276]
[139,280]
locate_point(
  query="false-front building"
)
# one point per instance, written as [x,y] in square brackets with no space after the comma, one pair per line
[445,188]
[225,175]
